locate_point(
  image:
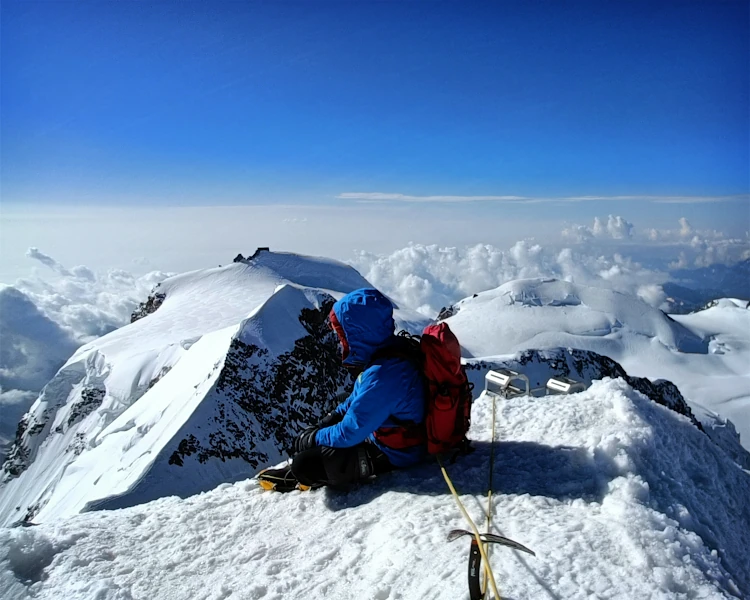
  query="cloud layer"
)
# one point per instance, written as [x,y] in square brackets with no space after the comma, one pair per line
[448,199]
[616,228]
[85,303]
[33,346]
[45,317]
[429,277]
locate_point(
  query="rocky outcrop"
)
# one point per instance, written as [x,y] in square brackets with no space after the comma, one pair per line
[148,307]
[91,399]
[446,312]
[241,259]
[265,401]
[585,366]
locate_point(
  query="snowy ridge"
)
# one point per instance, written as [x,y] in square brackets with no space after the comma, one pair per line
[186,398]
[619,497]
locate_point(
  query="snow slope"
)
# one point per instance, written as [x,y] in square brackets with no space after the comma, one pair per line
[207,389]
[720,382]
[620,498]
[706,354]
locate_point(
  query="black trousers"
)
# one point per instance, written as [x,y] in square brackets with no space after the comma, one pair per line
[340,466]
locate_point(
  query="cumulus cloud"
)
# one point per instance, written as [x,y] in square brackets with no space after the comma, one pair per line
[45,317]
[48,261]
[700,247]
[616,228]
[428,277]
[652,294]
[686,229]
[685,246]
[85,303]
[33,347]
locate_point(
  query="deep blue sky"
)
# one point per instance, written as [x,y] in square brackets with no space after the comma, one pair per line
[198,102]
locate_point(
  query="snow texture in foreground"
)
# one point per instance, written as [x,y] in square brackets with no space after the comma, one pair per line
[619,497]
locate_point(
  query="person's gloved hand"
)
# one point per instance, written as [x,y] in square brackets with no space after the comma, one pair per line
[305,440]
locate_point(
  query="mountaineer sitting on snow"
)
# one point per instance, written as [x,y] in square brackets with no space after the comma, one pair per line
[380,425]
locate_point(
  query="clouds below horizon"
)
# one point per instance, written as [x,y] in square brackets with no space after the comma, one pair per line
[427,278]
[85,303]
[60,307]
[46,316]
[680,248]
[616,228]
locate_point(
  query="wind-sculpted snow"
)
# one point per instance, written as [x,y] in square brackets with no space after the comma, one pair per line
[255,402]
[36,425]
[619,498]
[704,354]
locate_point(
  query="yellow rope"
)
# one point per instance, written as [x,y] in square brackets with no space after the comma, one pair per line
[489,492]
[487,568]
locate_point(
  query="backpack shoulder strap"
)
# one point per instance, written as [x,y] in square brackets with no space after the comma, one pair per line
[405,347]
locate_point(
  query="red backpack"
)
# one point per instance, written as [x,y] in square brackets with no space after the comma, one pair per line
[448,414]
[447,392]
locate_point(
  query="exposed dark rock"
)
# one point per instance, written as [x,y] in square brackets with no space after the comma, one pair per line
[446,312]
[238,258]
[35,422]
[158,377]
[17,460]
[78,444]
[31,512]
[263,399]
[144,309]
[91,399]
[713,303]
[585,366]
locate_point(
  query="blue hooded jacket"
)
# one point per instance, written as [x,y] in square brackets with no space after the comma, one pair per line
[387,392]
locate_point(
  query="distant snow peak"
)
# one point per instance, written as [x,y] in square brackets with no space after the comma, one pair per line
[539,313]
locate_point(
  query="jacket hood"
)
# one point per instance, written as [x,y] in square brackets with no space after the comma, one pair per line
[366,316]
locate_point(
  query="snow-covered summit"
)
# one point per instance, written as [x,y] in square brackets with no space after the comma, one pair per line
[206,389]
[542,313]
[207,300]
